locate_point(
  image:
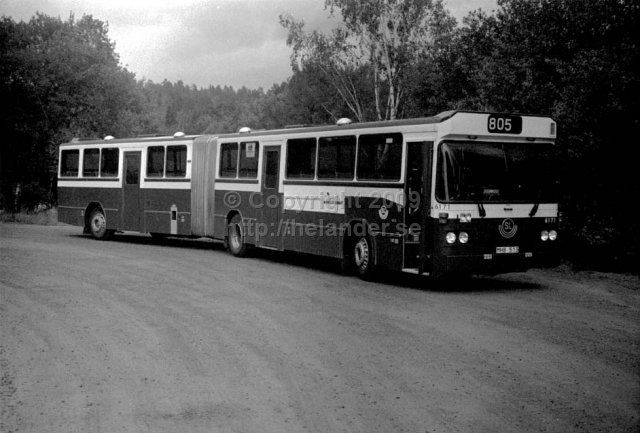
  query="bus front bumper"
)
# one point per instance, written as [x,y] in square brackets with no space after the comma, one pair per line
[492,264]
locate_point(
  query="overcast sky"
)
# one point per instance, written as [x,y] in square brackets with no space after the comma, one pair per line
[219,42]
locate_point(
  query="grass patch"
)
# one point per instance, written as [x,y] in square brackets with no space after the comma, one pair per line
[46,217]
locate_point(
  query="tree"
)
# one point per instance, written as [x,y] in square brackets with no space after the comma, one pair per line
[576,60]
[379,43]
[58,79]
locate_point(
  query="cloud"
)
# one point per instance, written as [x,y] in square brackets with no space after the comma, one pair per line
[238,43]
[460,8]
[202,42]
[249,66]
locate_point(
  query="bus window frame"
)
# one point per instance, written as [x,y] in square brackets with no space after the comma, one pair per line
[354,161]
[78,172]
[403,146]
[437,175]
[240,159]
[219,170]
[166,160]
[164,175]
[355,179]
[86,154]
[315,164]
[117,172]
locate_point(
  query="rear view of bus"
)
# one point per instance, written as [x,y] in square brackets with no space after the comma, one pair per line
[494,206]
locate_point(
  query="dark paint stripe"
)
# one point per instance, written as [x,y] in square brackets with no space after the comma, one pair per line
[251,181]
[90,179]
[356,184]
[164,212]
[161,179]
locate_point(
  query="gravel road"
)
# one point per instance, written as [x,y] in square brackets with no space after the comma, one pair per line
[138,335]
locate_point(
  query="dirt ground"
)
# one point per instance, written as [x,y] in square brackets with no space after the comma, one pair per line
[138,335]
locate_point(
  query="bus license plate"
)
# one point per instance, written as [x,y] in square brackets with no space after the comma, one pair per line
[507,250]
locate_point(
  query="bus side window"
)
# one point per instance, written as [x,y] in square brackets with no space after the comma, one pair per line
[155,161]
[336,157]
[109,162]
[90,162]
[132,169]
[69,161]
[248,167]
[228,159]
[176,161]
[301,158]
[379,156]
[271,168]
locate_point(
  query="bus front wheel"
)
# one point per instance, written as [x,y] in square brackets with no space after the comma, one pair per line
[235,237]
[363,257]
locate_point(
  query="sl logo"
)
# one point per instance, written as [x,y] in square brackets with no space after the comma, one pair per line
[508,228]
[383,212]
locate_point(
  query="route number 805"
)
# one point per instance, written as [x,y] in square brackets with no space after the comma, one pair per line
[504,124]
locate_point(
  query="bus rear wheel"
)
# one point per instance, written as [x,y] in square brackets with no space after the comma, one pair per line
[363,259]
[235,237]
[98,225]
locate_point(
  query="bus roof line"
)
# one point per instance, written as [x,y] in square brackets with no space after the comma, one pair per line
[326,128]
[446,115]
[293,129]
[139,139]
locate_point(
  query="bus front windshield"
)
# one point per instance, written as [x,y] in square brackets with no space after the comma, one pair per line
[495,172]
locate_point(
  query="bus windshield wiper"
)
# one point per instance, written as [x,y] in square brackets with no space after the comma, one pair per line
[534,209]
[481,211]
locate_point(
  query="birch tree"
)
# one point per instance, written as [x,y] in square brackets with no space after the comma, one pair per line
[383,38]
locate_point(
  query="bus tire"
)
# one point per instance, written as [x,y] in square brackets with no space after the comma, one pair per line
[98,225]
[363,257]
[235,237]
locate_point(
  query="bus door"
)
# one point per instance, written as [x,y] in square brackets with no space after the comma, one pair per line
[417,188]
[271,199]
[131,211]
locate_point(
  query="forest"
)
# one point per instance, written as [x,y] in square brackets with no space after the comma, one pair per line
[575,60]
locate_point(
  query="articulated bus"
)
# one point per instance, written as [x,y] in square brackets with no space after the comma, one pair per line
[457,193]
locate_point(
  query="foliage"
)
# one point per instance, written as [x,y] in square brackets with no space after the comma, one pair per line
[58,79]
[378,44]
[177,107]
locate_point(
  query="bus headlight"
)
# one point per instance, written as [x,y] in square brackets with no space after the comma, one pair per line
[463,237]
[544,235]
[451,237]
[553,235]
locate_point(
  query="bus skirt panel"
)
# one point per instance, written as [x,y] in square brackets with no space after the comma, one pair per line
[492,264]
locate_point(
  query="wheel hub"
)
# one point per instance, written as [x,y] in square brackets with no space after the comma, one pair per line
[98,222]
[235,236]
